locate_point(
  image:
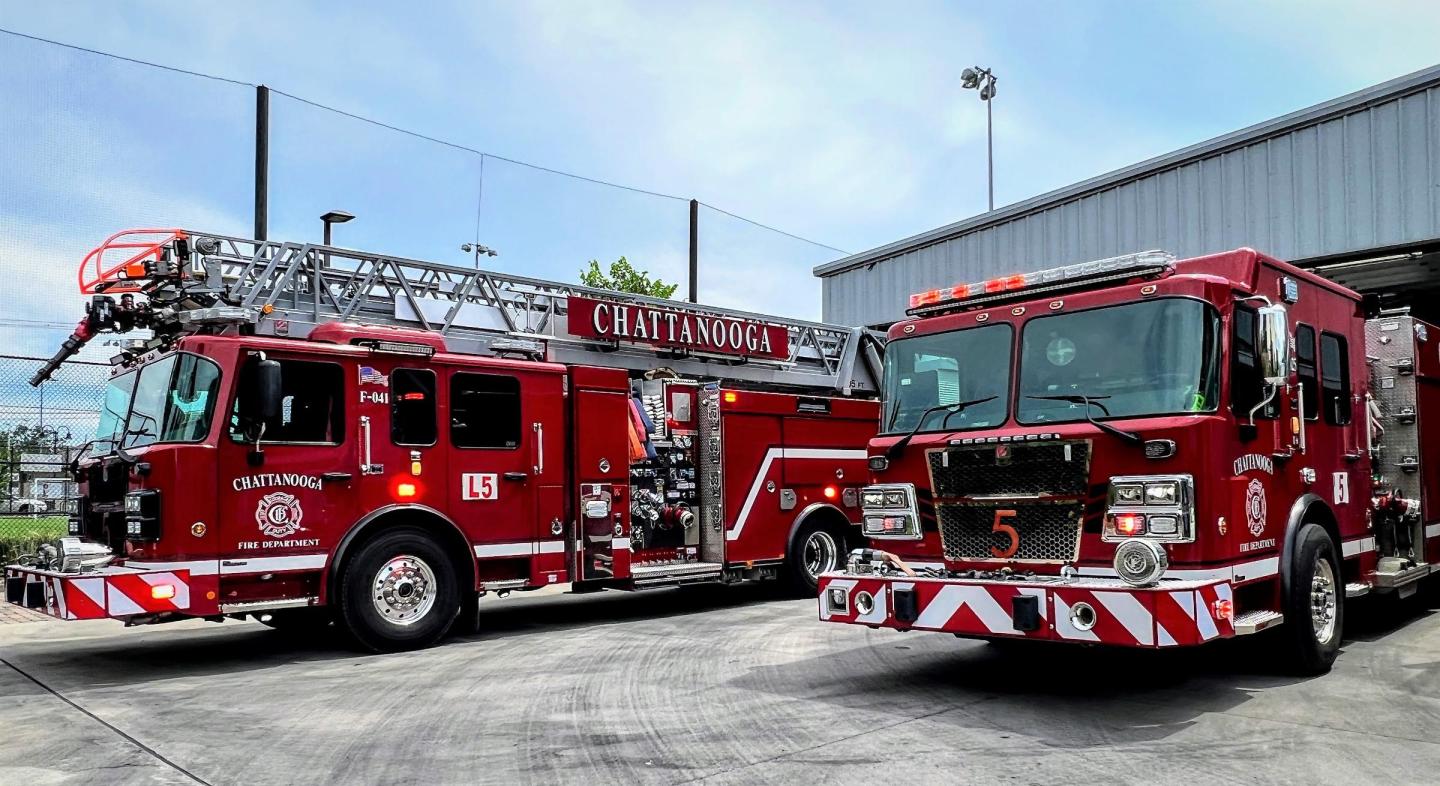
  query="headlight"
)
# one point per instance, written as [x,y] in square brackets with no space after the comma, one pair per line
[1164,493]
[889,512]
[142,515]
[864,603]
[1153,506]
[1127,494]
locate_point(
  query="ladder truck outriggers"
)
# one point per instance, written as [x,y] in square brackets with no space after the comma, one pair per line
[313,433]
[1147,452]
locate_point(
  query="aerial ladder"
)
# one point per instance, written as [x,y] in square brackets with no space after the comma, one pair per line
[177,282]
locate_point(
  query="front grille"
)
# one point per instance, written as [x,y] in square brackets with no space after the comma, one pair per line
[1052,468]
[1047,531]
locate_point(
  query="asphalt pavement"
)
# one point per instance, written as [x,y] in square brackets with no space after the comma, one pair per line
[718,685]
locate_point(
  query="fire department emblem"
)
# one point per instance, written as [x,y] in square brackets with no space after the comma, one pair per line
[1255,507]
[279,514]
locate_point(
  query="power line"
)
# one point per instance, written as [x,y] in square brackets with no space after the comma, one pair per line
[773,229]
[418,135]
[126,59]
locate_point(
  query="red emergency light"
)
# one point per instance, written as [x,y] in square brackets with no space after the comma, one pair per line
[1144,263]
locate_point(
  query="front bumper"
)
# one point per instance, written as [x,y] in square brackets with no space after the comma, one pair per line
[1080,609]
[111,592]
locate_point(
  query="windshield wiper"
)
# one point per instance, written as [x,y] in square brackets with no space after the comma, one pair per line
[1094,401]
[899,447]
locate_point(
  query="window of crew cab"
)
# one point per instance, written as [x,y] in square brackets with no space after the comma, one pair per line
[1335,379]
[412,407]
[1307,370]
[485,411]
[312,405]
[1247,386]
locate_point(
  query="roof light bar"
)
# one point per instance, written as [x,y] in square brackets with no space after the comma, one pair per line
[1125,266]
[395,347]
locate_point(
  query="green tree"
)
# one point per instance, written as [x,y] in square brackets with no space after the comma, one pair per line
[623,277]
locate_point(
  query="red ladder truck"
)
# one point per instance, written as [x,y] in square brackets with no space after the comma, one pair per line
[1147,452]
[314,433]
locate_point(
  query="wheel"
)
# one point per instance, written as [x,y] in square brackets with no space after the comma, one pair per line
[23,509]
[399,592]
[1314,602]
[312,618]
[817,549]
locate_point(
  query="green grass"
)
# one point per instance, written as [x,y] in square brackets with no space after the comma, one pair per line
[23,534]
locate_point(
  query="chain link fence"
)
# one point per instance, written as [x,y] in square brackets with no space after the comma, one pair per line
[42,429]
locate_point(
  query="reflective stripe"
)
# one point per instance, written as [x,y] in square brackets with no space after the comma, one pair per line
[522,549]
[232,567]
[784,453]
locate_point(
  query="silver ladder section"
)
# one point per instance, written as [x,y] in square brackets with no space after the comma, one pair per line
[486,313]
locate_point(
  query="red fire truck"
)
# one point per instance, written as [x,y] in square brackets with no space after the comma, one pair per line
[313,433]
[1147,452]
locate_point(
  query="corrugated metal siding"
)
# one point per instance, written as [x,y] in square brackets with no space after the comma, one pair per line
[1367,178]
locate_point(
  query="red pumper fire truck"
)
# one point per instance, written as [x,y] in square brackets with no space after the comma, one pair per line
[313,433]
[1147,452]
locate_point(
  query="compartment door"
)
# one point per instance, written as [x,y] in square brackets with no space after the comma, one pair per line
[601,472]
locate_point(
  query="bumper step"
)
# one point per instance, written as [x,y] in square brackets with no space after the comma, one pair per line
[1256,621]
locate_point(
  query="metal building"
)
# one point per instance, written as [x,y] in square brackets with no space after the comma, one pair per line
[1351,179]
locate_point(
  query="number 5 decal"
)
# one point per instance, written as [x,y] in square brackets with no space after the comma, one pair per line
[1009,531]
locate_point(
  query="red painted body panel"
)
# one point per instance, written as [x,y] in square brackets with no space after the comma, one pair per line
[242,533]
[1210,446]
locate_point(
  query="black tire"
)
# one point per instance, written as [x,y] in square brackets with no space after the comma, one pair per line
[23,509]
[804,564]
[313,618]
[1311,649]
[411,559]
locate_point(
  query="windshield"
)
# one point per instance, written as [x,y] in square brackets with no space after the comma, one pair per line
[1150,358]
[170,400]
[948,368]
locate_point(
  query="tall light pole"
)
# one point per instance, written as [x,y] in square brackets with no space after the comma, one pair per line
[334,217]
[983,79]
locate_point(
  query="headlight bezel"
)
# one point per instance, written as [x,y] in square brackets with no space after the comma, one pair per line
[898,501]
[1175,502]
[142,515]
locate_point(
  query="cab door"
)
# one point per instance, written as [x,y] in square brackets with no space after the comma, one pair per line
[285,502]
[505,465]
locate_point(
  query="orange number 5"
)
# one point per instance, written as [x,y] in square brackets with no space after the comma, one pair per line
[1008,530]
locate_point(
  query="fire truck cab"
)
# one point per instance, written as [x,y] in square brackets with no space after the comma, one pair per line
[1146,452]
[304,445]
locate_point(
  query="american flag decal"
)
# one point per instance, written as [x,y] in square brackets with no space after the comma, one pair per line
[369,376]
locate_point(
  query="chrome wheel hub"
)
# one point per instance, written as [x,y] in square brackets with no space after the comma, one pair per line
[404,590]
[822,553]
[1323,600]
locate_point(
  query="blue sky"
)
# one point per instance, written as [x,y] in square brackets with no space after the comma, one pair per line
[842,122]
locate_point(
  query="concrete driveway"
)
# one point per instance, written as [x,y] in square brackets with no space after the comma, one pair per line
[730,685]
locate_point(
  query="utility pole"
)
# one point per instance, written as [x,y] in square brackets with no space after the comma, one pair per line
[694,248]
[262,161]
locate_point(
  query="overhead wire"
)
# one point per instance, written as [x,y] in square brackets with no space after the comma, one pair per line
[418,135]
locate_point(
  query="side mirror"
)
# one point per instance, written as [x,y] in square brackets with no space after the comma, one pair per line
[260,390]
[1273,337]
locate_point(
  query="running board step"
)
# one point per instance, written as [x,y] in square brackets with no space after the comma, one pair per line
[1256,621]
[673,573]
[1357,590]
[1399,578]
[247,607]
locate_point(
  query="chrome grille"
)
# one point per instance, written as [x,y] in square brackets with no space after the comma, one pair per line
[1047,531]
[1053,468]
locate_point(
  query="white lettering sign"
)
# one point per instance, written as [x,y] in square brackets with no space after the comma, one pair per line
[479,485]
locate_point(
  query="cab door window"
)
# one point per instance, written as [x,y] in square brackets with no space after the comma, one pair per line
[484,411]
[1247,387]
[412,406]
[1308,371]
[1335,379]
[312,406]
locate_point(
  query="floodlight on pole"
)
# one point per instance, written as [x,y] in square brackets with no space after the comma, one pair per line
[479,251]
[983,79]
[334,217]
